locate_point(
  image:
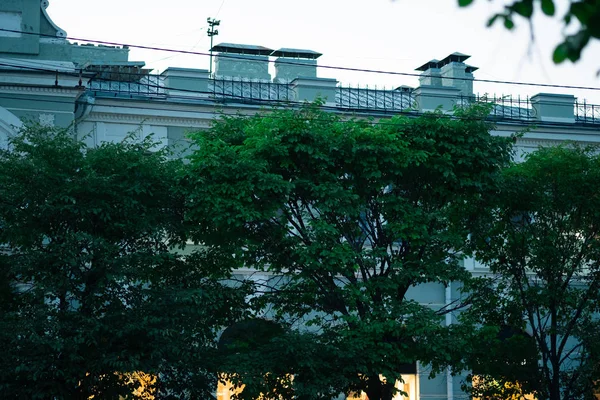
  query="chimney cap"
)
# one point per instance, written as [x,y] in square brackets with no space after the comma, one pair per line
[296,53]
[470,69]
[404,88]
[454,57]
[429,64]
[242,49]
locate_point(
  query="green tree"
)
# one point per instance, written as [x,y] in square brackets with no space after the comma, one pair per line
[586,13]
[343,217]
[96,301]
[277,361]
[542,245]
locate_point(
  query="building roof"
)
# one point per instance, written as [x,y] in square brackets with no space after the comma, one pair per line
[404,88]
[471,68]
[429,64]
[242,49]
[454,57]
[108,64]
[296,53]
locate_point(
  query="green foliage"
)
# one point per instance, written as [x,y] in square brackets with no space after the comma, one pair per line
[540,239]
[92,289]
[343,217]
[586,12]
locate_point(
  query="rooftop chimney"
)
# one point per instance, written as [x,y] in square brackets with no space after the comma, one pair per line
[455,73]
[242,61]
[431,74]
[449,72]
[295,63]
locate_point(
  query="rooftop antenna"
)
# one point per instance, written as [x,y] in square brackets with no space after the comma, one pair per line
[212,32]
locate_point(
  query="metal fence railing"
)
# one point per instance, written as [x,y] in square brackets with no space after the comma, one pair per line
[587,113]
[143,84]
[365,98]
[128,84]
[504,107]
[241,89]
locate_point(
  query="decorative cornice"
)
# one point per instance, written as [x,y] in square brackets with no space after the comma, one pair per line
[153,120]
[539,127]
[62,91]
[534,143]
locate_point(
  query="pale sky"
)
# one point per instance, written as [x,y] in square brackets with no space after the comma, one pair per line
[385,35]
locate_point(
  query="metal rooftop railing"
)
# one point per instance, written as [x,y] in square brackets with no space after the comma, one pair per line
[587,113]
[248,90]
[365,98]
[130,85]
[504,107]
[346,97]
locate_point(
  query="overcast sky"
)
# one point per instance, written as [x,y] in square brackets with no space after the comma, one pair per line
[385,35]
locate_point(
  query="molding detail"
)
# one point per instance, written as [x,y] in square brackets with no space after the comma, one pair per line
[47,120]
[60,33]
[143,119]
[60,91]
[534,143]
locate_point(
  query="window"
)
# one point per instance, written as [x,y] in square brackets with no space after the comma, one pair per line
[11,21]
[408,385]
[512,390]
[226,390]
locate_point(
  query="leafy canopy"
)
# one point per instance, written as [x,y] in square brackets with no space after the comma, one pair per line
[585,14]
[95,299]
[340,219]
[541,242]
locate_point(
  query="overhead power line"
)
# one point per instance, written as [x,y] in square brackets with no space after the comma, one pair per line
[218,102]
[331,67]
[221,95]
[245,101]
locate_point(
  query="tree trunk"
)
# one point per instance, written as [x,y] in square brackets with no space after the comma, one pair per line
[555,390]
[554,356]
[555,393]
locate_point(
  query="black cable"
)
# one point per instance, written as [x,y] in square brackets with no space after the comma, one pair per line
[274,102]
[249,100]
[103,42]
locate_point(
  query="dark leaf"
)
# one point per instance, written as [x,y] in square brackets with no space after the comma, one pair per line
[560,53]
[548,7]
[493,19]
[523,8]
[508,22]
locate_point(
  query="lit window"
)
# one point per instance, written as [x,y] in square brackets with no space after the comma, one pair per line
[408,386]
[479,383]
[225,391]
